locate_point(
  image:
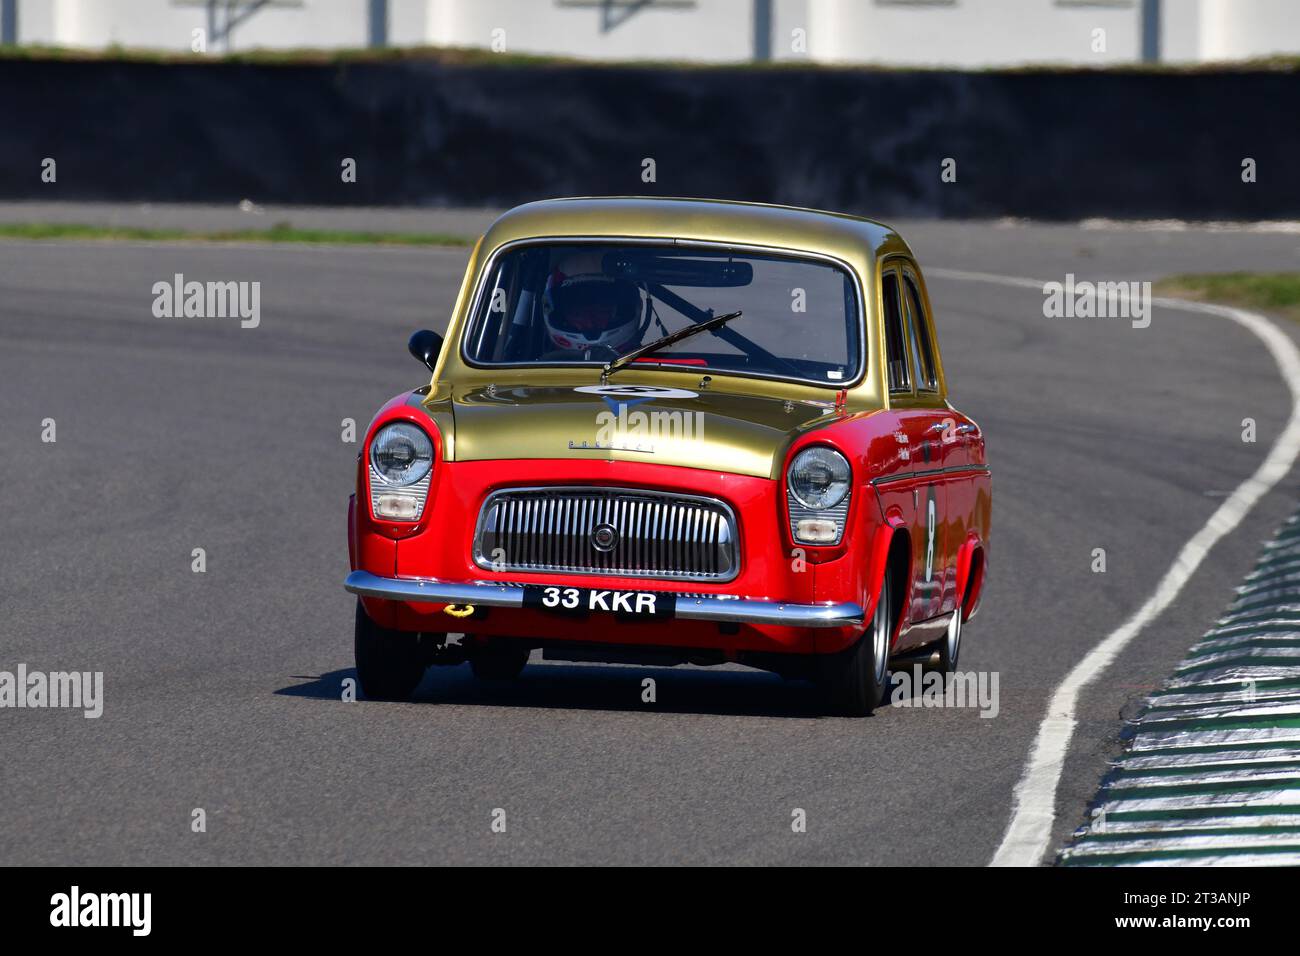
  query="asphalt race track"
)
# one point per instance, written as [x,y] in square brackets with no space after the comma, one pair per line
[222,689]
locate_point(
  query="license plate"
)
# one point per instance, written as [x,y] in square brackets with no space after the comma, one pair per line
[579,602]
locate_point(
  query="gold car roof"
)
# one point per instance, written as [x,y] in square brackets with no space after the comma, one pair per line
[703,220]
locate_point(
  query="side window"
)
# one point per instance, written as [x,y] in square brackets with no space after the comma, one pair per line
[895,343]
[922,347]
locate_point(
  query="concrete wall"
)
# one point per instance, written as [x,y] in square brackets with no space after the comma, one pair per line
[974,32]
[958,33]
[1231,30]
[169,24]
[709,30]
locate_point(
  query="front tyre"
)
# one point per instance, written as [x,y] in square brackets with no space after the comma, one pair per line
[390,664]
[856,679]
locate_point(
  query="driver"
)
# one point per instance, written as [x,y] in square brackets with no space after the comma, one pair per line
[589,312]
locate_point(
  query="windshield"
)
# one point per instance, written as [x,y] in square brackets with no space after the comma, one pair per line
[589,303]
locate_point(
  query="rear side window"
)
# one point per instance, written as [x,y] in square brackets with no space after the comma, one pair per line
[922,347]
[895,343]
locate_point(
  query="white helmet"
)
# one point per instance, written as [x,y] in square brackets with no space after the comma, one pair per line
[589,310]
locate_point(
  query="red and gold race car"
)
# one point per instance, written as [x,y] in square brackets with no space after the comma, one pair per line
[673,431]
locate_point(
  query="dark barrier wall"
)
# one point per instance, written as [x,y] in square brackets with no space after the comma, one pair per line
[1047,145]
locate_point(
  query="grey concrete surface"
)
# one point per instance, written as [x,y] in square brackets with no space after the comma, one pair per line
[222,688]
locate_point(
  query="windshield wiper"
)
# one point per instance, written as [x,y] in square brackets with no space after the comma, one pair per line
[670,339]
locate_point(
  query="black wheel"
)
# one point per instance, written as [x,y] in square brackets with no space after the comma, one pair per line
[950,646]
[499,660]
[856,679]
[390,663]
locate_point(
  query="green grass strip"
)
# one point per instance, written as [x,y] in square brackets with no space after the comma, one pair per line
[280,232]
[1110,836]
[1183,814]
[1277,291]
[1138,856]
[1126,775]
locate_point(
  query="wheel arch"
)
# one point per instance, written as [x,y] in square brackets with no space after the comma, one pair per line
[892,551]
[971,567]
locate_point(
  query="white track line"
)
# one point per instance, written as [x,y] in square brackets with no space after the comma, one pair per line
[1030,832]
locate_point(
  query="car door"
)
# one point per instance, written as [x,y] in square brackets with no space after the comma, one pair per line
[917,490]
[938,440]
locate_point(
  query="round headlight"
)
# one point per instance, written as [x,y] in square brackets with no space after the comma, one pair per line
[401,453]
[819,478]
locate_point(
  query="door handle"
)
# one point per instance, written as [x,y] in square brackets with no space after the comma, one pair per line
[939,427]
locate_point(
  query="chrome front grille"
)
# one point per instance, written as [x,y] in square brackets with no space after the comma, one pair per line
[611,531]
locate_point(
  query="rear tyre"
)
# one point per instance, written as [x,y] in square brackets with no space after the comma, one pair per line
[499,661]
[390,664]
[856,679]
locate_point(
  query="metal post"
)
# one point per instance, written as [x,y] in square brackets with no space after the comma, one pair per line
[8,22]
[378,32]
[762,29]
[1150,31]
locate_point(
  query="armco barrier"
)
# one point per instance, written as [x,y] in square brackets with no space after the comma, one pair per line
[1050,145]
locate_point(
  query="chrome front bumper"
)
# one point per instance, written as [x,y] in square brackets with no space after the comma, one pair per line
[727,610]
